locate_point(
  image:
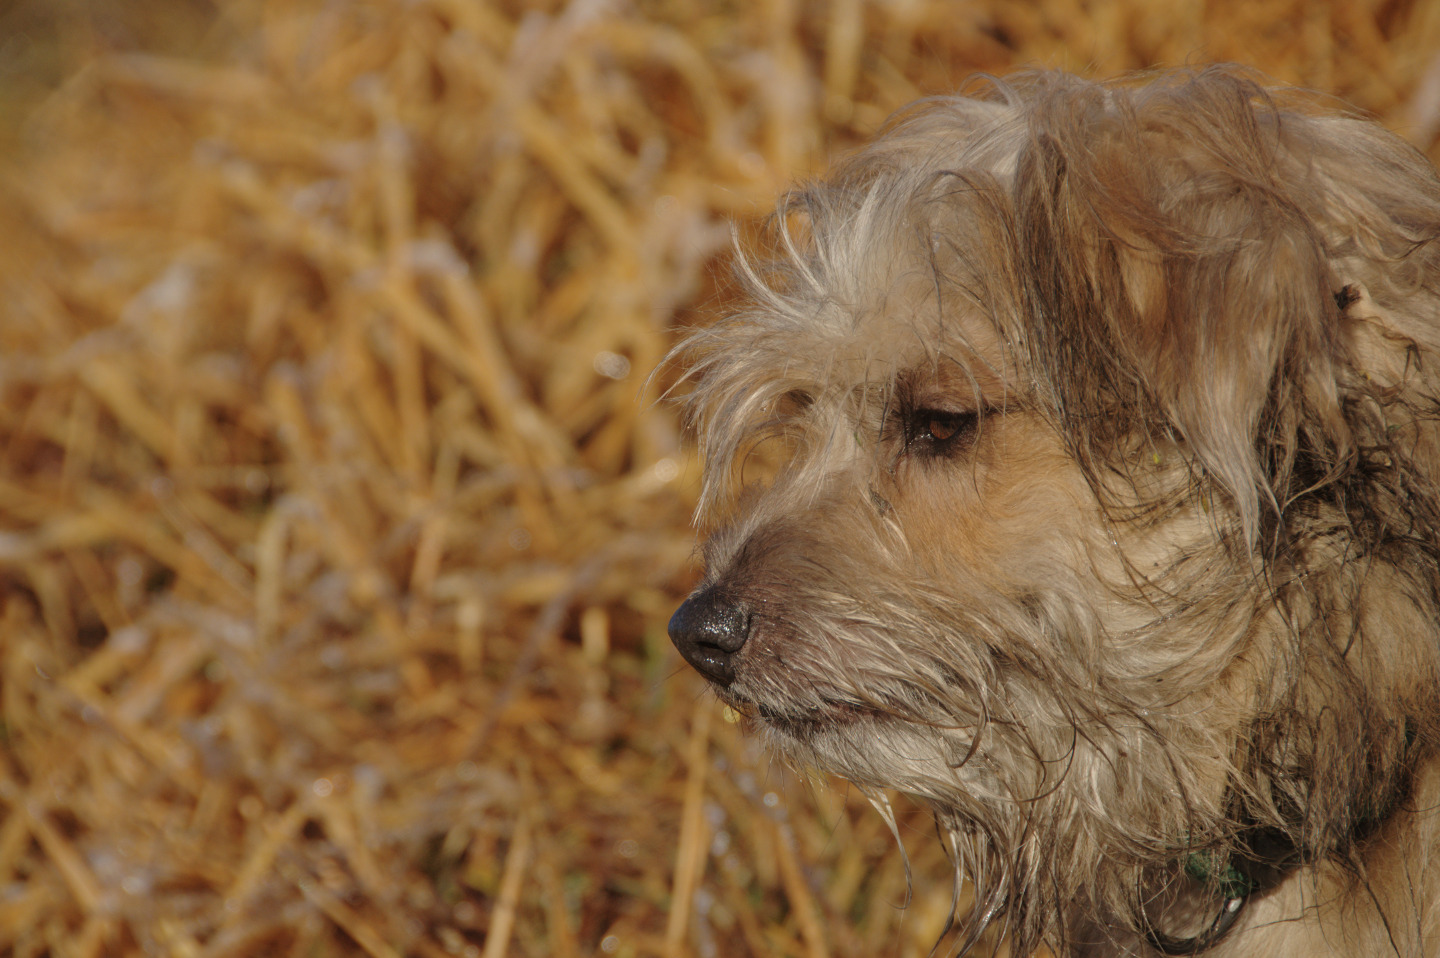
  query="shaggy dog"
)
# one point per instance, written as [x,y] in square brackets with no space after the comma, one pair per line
[1103,514]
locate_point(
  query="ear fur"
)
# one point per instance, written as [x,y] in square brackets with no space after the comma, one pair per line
[1181,253]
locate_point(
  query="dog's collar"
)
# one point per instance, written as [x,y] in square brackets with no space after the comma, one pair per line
[1266,857]
[1230,881]
[1234,882]
[1230,909]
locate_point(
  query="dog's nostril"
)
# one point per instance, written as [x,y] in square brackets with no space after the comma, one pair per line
[708,630]
[712,621]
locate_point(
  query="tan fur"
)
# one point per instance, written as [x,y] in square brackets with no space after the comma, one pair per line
[1108,520]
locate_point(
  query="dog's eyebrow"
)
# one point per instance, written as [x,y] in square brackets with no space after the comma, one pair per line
[951,383]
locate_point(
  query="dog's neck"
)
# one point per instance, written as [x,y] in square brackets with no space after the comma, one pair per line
[1384,901]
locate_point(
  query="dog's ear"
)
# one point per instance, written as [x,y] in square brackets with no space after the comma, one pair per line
[1174,287]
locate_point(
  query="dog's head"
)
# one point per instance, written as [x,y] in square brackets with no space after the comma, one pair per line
[1101,506]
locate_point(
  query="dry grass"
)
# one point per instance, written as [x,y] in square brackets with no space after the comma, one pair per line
[339,526]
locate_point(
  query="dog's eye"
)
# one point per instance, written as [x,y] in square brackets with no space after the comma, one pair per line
[936,432]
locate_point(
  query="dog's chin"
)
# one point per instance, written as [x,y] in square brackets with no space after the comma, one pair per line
[824,736]
[866,743]
[826,719]
[869,743]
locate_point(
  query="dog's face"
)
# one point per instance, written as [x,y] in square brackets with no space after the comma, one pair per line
[1096,414]
[928,545]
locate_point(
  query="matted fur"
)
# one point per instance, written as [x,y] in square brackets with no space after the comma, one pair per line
[1107,514]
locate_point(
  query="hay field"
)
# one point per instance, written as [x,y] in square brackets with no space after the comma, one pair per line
[339,523]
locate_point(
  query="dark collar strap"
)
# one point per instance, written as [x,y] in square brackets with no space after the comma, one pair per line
[1263,858]
[1230,910]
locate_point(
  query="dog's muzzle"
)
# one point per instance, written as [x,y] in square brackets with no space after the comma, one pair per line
[709,629]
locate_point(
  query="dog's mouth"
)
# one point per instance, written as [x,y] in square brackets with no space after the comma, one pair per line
[802,722]
[758,665]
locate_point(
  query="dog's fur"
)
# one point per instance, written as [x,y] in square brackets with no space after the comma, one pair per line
[1106,516]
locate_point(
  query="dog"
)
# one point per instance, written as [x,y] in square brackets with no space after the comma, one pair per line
[1073,466]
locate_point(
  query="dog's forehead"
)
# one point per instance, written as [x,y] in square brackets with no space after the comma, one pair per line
[910,338]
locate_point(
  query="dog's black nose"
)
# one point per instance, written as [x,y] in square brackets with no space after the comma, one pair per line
[708,630]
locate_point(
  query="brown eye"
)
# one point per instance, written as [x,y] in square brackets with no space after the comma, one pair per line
[936,432]
[941,429]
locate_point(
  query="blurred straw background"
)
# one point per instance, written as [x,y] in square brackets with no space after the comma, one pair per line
[339,526]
